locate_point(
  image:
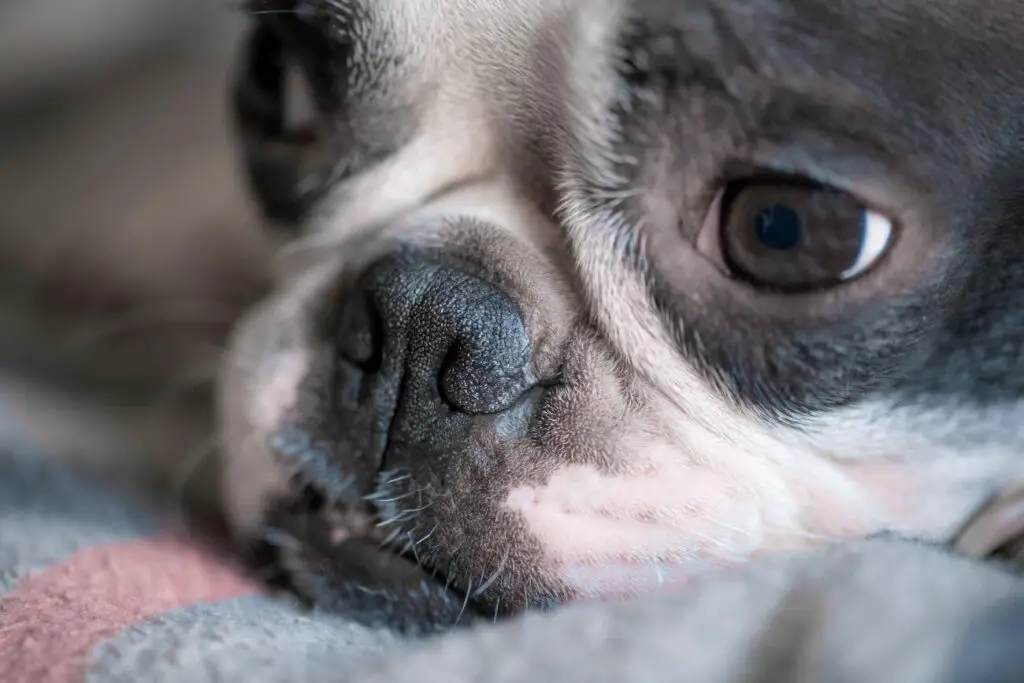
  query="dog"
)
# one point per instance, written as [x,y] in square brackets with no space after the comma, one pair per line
[579,300]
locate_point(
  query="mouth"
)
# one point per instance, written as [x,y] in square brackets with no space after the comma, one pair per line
[341,558]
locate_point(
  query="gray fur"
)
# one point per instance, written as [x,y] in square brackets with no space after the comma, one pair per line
[568,153]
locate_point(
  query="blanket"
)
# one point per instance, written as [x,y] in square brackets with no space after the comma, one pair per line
[98,585]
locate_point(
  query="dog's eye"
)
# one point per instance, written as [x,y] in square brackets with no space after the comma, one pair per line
[306,46]
[286,91]
[796,235]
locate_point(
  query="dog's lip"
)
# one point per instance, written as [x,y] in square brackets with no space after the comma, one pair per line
[343,528]
[332,559]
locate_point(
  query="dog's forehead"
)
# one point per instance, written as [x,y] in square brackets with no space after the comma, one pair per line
[930,70]
[897,37]
[939,67]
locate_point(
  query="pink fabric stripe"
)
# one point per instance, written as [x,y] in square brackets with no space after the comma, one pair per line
[52,620]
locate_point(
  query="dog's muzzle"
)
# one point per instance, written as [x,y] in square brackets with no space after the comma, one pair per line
[426,359]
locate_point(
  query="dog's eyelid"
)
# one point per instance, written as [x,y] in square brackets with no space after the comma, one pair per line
[872,201]
[812,164]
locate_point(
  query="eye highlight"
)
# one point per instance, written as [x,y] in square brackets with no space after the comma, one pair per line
[795,235]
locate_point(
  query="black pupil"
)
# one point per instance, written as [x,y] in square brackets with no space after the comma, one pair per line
[778,227]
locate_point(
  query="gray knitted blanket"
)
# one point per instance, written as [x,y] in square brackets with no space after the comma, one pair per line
[97,587]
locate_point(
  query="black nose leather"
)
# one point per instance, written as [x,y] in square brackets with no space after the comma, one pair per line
[434,337]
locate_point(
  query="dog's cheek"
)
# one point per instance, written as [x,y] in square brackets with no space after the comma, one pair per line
[640,496]
[627,506]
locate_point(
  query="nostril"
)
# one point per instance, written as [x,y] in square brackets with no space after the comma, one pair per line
[360,333]
[487,368]
[475,388]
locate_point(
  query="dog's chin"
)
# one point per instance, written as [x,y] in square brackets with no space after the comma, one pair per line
[341,559]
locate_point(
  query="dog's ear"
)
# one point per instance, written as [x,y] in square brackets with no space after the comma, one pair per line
[283,104]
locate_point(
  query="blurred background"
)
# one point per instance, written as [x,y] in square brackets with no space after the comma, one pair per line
[127,245]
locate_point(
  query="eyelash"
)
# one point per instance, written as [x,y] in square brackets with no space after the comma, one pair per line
[298,9]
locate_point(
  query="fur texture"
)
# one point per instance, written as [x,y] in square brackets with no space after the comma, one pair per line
[674,418]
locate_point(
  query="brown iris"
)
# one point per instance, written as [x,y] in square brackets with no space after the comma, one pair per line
[798,235]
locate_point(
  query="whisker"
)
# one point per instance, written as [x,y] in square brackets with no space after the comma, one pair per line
[494,577]
[375,497]
[429,534]
[412,548]
[401,497]
[396,477]
[403,516]
[390,538]
[465,603]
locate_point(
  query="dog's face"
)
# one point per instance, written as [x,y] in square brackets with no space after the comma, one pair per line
[584,297]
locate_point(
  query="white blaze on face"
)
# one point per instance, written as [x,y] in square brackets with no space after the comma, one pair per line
[685,507]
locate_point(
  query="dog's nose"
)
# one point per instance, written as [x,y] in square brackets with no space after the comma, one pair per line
[430,334]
